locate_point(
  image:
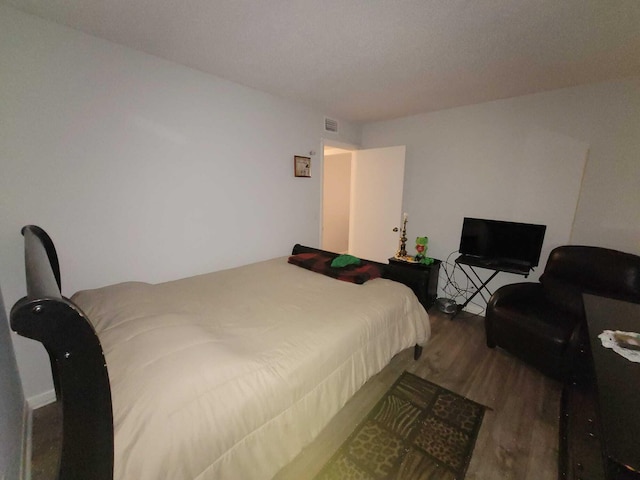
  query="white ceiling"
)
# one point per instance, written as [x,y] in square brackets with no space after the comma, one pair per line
[367,60]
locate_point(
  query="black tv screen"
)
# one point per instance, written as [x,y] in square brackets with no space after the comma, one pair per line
[504,241]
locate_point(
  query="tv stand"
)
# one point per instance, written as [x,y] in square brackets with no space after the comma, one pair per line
[497,265]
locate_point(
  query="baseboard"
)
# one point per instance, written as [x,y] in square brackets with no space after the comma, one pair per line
[42,399]
[474,309]
[32,403]
[27,423]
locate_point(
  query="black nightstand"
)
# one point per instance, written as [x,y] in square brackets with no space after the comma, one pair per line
[422,279]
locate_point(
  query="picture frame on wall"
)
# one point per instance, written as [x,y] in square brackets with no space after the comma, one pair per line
[302,166]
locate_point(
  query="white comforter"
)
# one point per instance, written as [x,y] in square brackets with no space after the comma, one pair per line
[229,375]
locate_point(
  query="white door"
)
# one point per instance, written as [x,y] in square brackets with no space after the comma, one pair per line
[377,180]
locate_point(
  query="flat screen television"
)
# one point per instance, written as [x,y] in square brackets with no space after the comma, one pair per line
[497,240]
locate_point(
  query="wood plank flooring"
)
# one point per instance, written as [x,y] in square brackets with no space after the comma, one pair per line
[45,442]
[519,434]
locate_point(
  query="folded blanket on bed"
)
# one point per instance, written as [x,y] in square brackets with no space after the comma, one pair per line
[321,263]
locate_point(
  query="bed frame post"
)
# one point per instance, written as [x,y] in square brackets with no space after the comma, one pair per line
[417,352]
[78,366]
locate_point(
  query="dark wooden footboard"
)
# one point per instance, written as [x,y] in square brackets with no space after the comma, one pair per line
[78,366]
[410,278]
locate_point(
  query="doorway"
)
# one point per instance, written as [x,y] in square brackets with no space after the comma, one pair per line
[362,200]
[336,199]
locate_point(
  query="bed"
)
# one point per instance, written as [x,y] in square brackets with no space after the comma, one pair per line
[223,375]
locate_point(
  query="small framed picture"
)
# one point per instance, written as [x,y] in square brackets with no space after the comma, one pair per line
[302,166]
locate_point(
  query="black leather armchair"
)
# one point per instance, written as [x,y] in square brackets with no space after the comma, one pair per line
[544,323]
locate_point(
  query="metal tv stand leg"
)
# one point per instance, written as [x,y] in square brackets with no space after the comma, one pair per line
[479,287]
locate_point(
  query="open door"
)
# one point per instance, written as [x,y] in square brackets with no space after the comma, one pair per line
[377,181]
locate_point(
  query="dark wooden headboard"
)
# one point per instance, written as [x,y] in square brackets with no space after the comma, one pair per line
[297,248]
[78,366]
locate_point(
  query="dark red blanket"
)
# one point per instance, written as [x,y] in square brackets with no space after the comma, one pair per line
[320,263]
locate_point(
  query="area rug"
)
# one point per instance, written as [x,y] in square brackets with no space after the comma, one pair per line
[417,431]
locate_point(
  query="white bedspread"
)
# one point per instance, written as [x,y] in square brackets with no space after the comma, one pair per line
[229,375]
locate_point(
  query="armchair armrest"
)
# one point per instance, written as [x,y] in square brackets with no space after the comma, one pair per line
[514,293]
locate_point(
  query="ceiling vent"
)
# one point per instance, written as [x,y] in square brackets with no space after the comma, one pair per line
[330,125]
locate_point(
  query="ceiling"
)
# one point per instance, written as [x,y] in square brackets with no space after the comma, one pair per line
[369,60]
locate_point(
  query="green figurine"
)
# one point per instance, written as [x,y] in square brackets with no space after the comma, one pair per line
[422,243]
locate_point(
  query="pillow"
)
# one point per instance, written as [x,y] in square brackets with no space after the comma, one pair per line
[345,260]
[321,263]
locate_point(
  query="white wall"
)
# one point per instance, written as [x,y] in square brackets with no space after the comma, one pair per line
[336,192]
[141,169]
[503,160]
[12,405]
[609,210]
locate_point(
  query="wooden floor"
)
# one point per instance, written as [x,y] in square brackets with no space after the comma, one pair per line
[519,435]
[45,442]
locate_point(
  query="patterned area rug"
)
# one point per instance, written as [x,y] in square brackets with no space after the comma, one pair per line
[417,431]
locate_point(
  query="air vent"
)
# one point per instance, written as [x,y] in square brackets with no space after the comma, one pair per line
[330,125]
